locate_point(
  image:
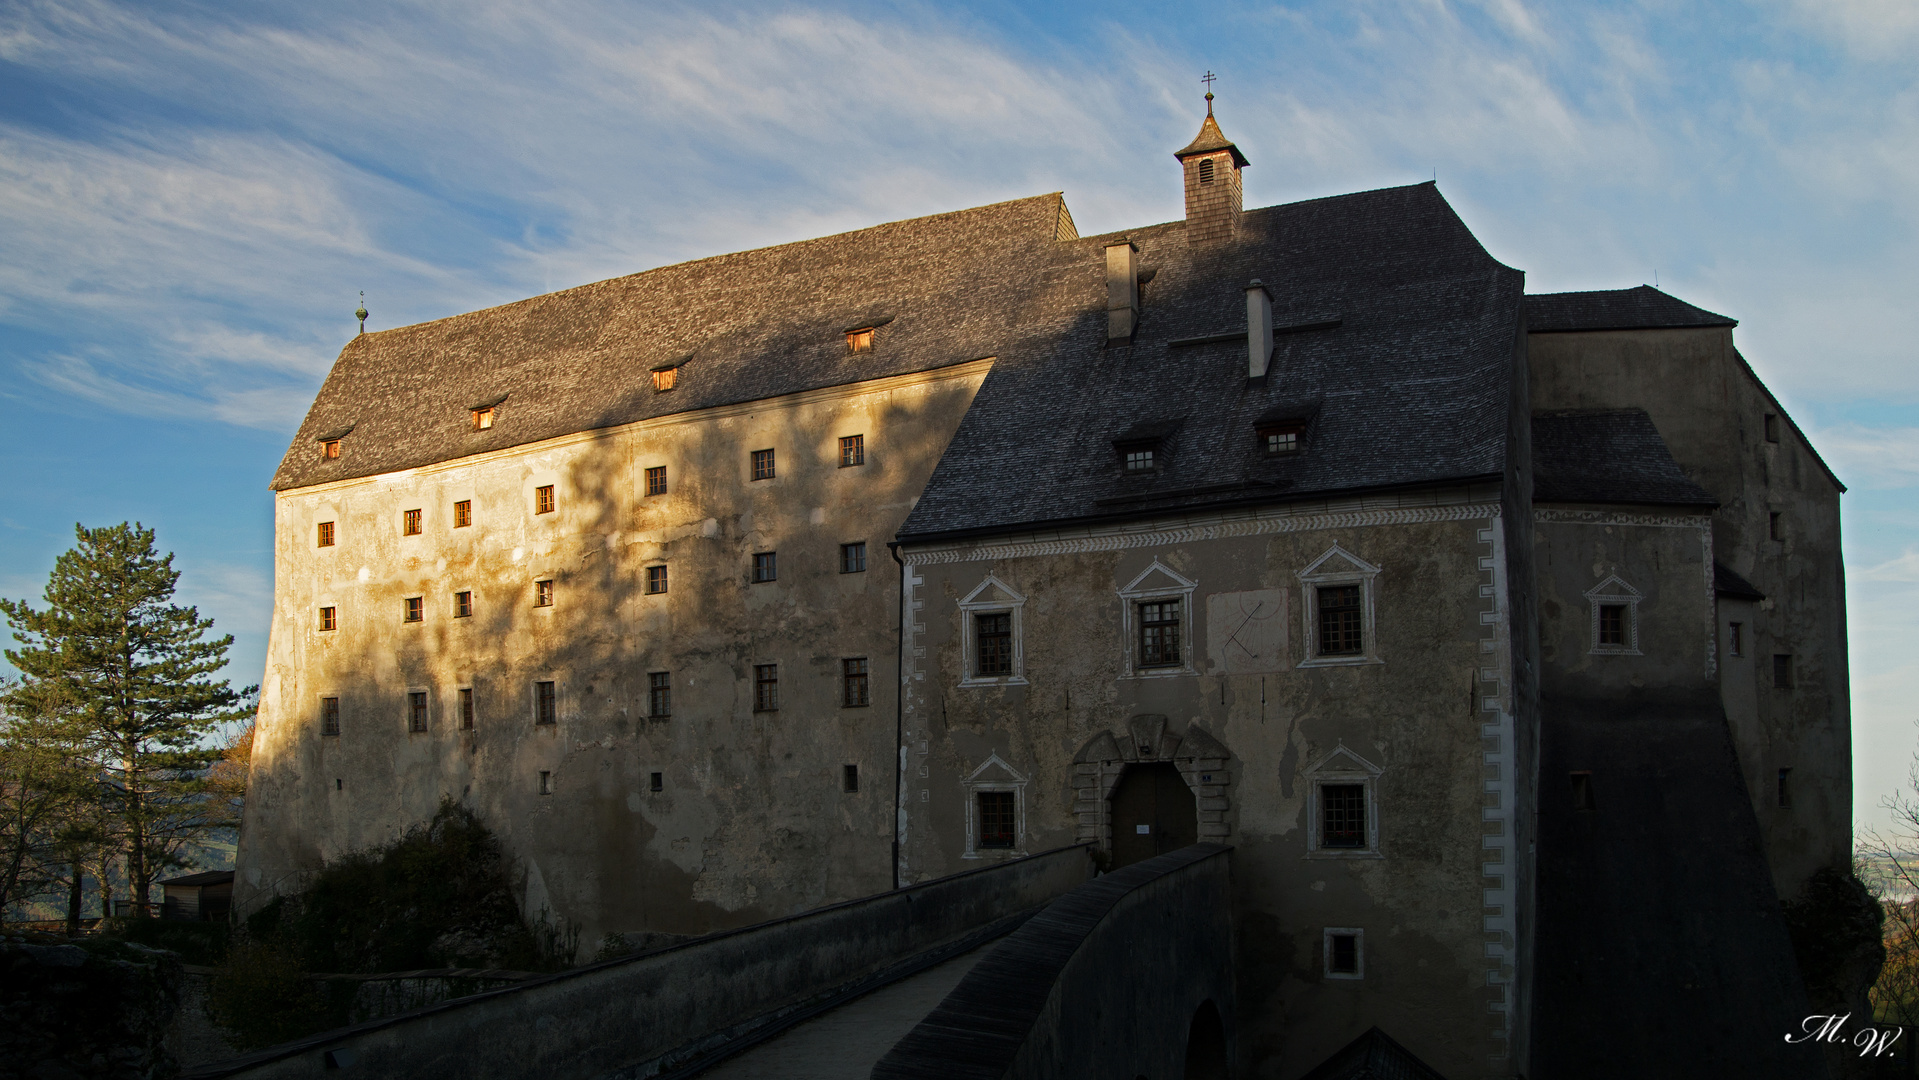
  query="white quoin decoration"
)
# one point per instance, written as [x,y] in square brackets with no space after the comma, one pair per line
[1259,329]
[1122,290]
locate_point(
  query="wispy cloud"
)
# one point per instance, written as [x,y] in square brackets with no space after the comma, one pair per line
[1871,457]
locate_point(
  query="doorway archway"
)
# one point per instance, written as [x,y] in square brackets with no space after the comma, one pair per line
[1153,812]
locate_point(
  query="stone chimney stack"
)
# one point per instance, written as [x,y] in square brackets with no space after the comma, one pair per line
[1212,165]
[1122,291]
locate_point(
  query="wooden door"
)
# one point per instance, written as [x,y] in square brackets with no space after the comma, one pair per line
[1153,812]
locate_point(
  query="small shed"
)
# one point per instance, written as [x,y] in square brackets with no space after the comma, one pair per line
[205,896]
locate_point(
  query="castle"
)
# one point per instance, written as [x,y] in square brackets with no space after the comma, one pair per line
[1501,635]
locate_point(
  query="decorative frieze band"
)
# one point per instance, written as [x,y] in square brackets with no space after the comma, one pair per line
[1555,515]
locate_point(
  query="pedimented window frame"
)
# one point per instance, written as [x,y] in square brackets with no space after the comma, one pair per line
[1610,592]
[1341,765]
[991,597]
[1318,575]
[994,774]
[1171,585]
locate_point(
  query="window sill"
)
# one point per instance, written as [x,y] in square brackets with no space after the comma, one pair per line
[1340,661]
[1342,853]
[1160,672]
[1613,650]
[993,680]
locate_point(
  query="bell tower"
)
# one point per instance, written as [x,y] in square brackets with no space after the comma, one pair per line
[1212,165]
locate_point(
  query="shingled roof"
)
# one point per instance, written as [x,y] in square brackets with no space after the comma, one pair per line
[1405,381]
[744,327]
[1642,308]
[1608,456]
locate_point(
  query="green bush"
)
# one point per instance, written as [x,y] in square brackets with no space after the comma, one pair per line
[196,942]
[262,995]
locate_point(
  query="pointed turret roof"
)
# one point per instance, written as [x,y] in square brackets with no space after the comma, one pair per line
[1210,138]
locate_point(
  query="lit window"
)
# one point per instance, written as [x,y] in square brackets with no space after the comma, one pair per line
[997,821]
[545,703]
[762,464]
[850,779]
[853,683]
[766,687]
[659,696]
[410,522]
[665,378]
[1139,459]
[466,709]
[330,449]
[326,534]
[463,513]
[766,566]
[852,450]
[416,711]
[994,635]
[1279,440]
[1159,634]
[1206,171]
[853,558]
[1339,621]
[1343,815]
[543,499]
[543,594]
[656,480]
[483,418]
[656,579]
[859,340]
[328,620]
[1612,625]
[415,608]
[329,716]
[462,605]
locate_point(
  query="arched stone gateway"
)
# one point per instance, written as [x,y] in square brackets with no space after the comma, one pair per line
[1201,760]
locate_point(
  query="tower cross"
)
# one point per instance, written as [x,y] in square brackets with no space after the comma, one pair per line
[1208,80]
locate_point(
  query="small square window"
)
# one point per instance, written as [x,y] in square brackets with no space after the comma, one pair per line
[326,534]
[853,558]
[1342,815]
[1343,959]
[410,522]
[483,418]
[546,782]
[655,480]
[543,594]
[463,513]
[997,819]
[329,716]
[416,711]
[466,708]
[763,465]
[852,450]
[655,579]
[766,687]
[330,449]
[1612,625]
[766,566]
[665,379]
[1159,644]
[462,605]
[1784,791]
[854,683]
[1139,459]
[1782,671]
[543,499]
[659,695]
[329,619]
[1339,621]
[546,707]
[859,340]
[415,608]
[1775,530]
[1279,440]
[994,636]
[850,779]
[1772,427]
[1582,791]
[1736,639]
[656,782]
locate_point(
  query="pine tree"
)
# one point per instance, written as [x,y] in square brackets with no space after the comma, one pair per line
[138,677]
[47,799]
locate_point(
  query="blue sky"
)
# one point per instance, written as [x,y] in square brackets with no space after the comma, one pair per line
[192,197]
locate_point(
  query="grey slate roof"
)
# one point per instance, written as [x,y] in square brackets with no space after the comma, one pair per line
[1410,388]
[1608,456]
[1373,1056]
[1642,308]
[1727,583]
[751,325]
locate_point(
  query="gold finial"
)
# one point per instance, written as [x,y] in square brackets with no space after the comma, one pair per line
[1208,80]
[362,312]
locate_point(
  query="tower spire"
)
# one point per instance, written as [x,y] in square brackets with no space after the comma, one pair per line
[1211,163]
[362,311]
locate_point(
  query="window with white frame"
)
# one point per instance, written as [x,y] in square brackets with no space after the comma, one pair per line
[1341,598]
[1157,616]
[1344,952]
[991,635]
[995,810]
[1342,806]
[1614,608]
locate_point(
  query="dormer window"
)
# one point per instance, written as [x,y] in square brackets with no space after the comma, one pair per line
[1139,459]
[1143,447]
[666,376]
[483,418]
[860,340]
[330,449]
[1281,440]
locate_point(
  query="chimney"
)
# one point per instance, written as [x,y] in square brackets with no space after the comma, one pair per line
[1212,165]
[1122,291]
[1259,330]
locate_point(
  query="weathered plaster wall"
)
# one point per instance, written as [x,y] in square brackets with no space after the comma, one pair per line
[1711,409]
[1417,715]
[752,820]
